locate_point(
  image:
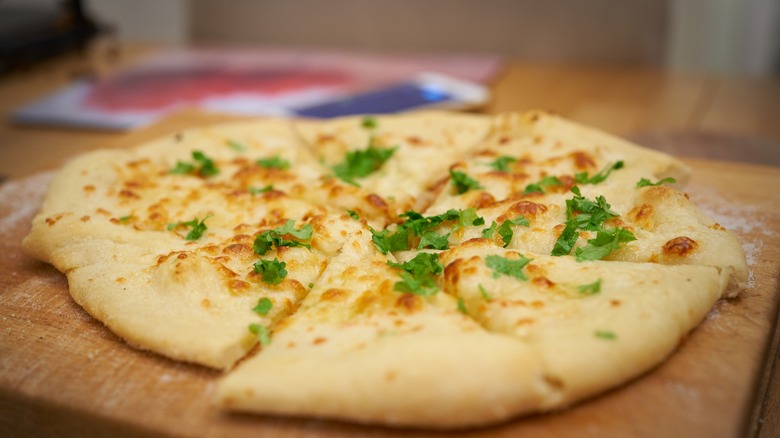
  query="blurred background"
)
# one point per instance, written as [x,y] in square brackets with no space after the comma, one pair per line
[724,36]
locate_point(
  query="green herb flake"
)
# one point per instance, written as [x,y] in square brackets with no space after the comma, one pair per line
[434,241]
[361,163]
[126,219]
[462,306]
[262,333]
[509,267]
[311,285]
[260,190]
[644,182]
[419,274]
[263,306]
[462,182]
[605,334]
[183,168]
[274,162]
[541,185]
[271,271]
[235,145]
[386,241]
[369,122]
[582,177]
[590,289]
[353,214]
[469,218]
[198,227]
[485,293]
[502,163]
[603,244]
[276,237]
[567,239]
[488,232]
[204,166]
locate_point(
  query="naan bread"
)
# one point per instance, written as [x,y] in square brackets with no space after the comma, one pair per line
[201,245]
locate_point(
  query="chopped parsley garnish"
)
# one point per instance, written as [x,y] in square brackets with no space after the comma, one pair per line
[126,219]
[584,214]
[369,122]
[262,333]
[235,145]
[583,178]
[502,163]
[353,214]
[485,293]
[505,229]
[567,239]
[509,267]
[462,306]
[263,306]
[419,274]
[272,271]
[361,163]
[605,334]
[274,162]
[462,182]
[198,227]
[603,244]
[590,289]
[421,226]
[644,182]
[276,237]
[260,190]
[203,166]
[539,187]
[434,241]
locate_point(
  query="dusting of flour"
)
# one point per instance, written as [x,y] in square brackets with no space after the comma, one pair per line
[744,220]
[20,199]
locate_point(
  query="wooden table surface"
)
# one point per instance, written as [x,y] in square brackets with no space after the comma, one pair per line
[690,115]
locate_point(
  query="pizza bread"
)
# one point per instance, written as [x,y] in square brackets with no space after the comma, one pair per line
[359,256]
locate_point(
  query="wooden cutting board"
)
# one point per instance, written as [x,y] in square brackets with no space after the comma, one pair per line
[63,373]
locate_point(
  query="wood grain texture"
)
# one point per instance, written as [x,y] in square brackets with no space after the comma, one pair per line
[63,373]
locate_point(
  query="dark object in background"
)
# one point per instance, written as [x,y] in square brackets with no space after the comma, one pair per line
[32,32]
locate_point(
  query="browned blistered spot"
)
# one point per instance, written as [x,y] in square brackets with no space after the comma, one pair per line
[582,160]
[524,321]
[376,201]
[614,303]
[324,138]
[642,215]
[408,301]
[679,246]
[182,256]
[554,382]
[390,376]
[85,218]
[89,188]
[504,139]
[334,295]
[526,208]
[121,280]
[536,304]
[543,282]
[206,303]
[414,140]
[717,227]
[226,272]
[103,212]
[114,221]
[238,249]
[291,344]
[238,286]
[452,272]
[52,220]
[319,340]
[210,249]
[482,200]
[161,259]
[128,194]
